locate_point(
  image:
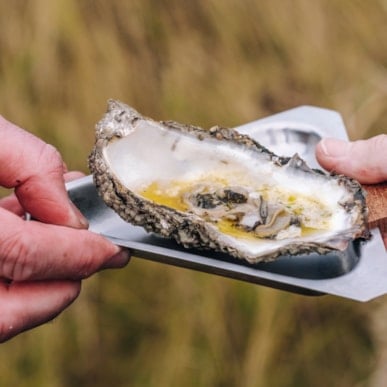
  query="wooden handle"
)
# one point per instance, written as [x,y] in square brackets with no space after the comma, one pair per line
[377,205]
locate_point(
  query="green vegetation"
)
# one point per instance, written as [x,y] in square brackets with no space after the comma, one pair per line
[203,62]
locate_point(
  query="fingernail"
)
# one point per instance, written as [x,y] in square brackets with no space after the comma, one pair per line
[118,260]
[334,148]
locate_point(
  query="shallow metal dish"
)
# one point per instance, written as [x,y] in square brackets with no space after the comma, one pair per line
[359,273]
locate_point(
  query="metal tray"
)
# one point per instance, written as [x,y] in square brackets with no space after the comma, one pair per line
[358,273]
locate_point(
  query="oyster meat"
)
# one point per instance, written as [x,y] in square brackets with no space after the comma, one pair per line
[217,189]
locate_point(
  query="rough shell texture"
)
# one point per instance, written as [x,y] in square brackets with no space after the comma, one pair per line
[191,230]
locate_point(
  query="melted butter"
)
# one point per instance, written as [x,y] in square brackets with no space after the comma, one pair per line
[172,196]
[307,231]
[227,227]
[161,196]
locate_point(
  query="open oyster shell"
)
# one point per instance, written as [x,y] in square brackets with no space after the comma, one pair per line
[217,189]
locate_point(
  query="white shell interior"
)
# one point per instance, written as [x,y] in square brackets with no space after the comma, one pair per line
[151,153]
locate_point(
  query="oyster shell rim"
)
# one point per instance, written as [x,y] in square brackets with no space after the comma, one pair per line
[171,223]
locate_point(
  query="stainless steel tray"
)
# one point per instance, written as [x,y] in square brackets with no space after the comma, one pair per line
[359,273]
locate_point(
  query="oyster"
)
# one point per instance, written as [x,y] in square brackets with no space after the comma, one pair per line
[217,189]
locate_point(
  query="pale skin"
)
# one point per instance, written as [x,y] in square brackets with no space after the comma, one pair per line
[43,261]
[364,160]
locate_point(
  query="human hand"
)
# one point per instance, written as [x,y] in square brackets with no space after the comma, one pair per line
[42,262]
[363,160]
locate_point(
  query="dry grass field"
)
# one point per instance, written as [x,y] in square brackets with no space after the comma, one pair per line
[203,62]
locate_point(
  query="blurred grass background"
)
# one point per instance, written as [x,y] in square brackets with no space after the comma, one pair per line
[203,62]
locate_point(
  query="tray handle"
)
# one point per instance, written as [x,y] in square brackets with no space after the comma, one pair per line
[377,205]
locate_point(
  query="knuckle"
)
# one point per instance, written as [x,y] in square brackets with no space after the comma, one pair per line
[15,257]
[50,152]
[51,157]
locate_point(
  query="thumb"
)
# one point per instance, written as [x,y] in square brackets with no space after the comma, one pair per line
[363,160]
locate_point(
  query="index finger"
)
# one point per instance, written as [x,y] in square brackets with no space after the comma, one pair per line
[35,169]
[31,250]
